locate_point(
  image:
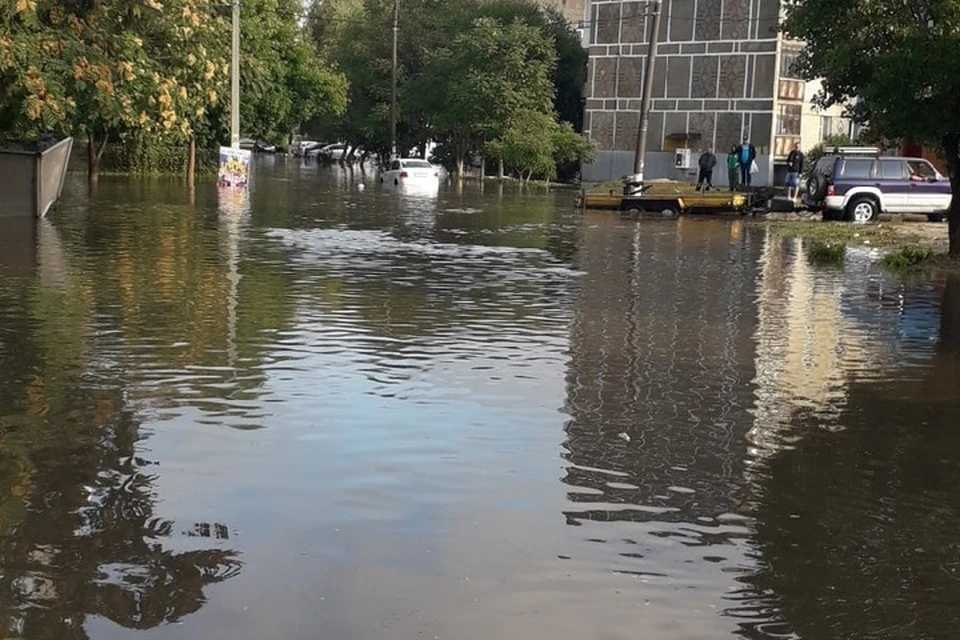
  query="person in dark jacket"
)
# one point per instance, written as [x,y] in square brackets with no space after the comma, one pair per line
[746,154]
[794,169]
[707,162]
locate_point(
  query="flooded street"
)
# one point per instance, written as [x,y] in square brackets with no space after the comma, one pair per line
[334,412]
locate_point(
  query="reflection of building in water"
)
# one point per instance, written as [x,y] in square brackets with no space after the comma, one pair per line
[802,339]
[662,357]
[856,528]
[819,331]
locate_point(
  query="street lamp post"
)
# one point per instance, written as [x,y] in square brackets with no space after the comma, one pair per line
[393,81]
[639,159]
[235,78]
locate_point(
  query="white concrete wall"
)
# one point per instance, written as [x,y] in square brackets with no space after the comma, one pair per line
[810,134]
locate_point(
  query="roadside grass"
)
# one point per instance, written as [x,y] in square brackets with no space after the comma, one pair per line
[826,254]
[877,235]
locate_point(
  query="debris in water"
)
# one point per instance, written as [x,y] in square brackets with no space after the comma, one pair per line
[624,436]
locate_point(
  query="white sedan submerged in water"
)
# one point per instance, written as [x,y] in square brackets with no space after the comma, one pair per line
[411,171]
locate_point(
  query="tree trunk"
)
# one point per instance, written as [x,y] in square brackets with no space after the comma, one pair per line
[500,170]
[950,316]
[95,149]
[459,167]
[191,161]
[951,148]
[483,168]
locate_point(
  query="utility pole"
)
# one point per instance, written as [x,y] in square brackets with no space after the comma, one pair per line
[235,79]
[639,160]
[393,81]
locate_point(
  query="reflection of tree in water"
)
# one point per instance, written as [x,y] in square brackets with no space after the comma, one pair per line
[87,541]
[856,529]
[78,531]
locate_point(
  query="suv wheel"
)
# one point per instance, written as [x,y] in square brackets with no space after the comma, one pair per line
[817,187]
[862,210]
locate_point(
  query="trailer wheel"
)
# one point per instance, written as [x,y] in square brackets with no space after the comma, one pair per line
[669,213]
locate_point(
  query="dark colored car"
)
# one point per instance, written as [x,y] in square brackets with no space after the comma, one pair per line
[858,184]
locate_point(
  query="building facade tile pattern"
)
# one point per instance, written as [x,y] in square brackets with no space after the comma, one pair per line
[715,77]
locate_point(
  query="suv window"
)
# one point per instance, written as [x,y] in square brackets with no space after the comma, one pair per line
[854,169]
[921,168]
[825,165]
[891,170]
[395,165]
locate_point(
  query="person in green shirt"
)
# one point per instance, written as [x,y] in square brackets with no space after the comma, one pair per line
[733,168]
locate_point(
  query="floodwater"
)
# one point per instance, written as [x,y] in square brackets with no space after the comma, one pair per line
[327,412]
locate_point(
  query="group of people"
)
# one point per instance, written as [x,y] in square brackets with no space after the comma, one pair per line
[742,164]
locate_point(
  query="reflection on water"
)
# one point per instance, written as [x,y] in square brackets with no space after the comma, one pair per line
[327,410]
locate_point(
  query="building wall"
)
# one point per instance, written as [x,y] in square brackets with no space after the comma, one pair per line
[714,81]
[819,123]
[573,10]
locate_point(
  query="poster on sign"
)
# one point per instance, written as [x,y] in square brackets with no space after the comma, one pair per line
[234,168]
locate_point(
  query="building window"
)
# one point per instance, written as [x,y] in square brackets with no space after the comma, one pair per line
[788,119]
[788,64]
[826,127]
[835,126]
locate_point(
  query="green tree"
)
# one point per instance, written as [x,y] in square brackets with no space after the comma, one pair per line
[536,144]
[109,67]
[489,77]
[156,71]
[570,72]
[283,80]
[457,72]
[32,96]
[895,67]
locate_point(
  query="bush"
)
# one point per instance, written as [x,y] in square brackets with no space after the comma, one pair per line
[819,150]
[906,258]
[823,253]
[135,155]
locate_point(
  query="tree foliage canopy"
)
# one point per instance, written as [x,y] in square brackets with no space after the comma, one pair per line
[468,72]
[894,64]
[157,70]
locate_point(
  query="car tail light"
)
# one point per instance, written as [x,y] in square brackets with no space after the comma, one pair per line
[404,174]
[831,190]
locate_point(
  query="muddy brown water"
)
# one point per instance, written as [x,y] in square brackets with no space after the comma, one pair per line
[329,412]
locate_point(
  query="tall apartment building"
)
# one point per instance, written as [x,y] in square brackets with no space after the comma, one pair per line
[573,10]
[723,71]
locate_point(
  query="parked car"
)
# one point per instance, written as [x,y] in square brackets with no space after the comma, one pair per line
[301,146]
[857,184]
[329,152]
[261,146]
[411,171]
